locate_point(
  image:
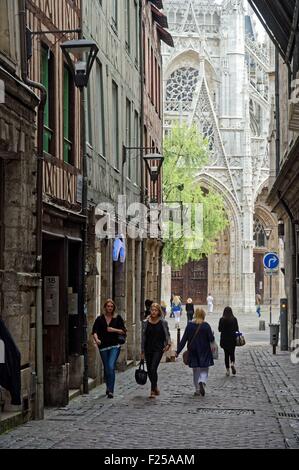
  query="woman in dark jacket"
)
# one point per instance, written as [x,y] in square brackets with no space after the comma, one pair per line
[200,354]
[228,326]
[106,332]
[155,340]
[190,309]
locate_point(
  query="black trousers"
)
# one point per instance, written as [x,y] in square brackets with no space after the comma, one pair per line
[229,354]
[152,363]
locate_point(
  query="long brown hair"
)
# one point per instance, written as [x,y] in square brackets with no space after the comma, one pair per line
[228,314]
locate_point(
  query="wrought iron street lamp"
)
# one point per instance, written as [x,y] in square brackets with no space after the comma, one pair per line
[85,52]
[154,162]
[268,232]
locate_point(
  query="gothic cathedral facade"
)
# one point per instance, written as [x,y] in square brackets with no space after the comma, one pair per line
[220,76]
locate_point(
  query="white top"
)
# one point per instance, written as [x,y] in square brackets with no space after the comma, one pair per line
[210,299]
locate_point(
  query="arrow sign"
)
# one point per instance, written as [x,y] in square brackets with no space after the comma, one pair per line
[271,261]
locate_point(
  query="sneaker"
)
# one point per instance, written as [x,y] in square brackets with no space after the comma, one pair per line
[227,372]
[202,389]
[197,393]
[110,395]
[233,370]
[153,394]
[157,392]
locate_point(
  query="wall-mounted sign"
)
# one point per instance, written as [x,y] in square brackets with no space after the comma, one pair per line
[119,249]
[51,300]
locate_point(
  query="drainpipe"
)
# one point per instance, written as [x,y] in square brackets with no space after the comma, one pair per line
[142,198]
[85,229]
[39,411]
[294,258]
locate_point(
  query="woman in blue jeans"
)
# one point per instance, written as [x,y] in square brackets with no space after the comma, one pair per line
[106,331]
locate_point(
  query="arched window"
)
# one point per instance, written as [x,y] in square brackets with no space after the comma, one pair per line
[259,233]
[180,89]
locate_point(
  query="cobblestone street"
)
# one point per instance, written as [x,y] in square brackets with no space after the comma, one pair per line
[258,408]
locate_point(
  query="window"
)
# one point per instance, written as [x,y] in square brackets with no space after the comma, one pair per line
[115,124]
[47,79]
[152,74]
[128,137]
[4,28]
[114,14]
[100,109]
[259,233]
[128,25]
[68,116]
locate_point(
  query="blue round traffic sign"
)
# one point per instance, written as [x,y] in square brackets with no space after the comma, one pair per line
[271,261]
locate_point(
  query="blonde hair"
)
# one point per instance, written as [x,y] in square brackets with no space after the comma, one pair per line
[176,300]
[158,307]
[110,301]
[199,316]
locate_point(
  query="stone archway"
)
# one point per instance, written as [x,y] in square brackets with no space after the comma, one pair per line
[224,271]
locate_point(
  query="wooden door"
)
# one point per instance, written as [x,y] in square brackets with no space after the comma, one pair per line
[258,269]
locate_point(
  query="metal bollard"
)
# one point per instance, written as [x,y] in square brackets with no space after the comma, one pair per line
[274,336]
[178,337]
[284,345]
[262,325]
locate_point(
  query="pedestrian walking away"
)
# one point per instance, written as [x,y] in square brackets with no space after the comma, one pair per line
[164,309]
[228,327]
[190,309]
[155,341]
[210,302]
[107,331]
[176,308]
[200,354]
[258,301]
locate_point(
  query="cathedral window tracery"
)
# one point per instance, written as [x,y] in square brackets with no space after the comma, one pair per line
[180,89]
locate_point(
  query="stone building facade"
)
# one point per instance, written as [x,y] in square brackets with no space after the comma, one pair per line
[63,220]
[284,143]
[18,278]
[123,110]
[219,77]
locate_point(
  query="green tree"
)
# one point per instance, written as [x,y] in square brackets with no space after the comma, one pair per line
[186,152]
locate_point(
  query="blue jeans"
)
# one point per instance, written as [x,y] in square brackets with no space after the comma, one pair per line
[109,358]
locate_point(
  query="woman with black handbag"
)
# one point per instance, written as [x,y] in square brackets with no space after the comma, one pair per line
[199,336]
[109,334]
[228,327]
[154,342]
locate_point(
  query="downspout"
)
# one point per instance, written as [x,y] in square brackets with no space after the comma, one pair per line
[39,411]
[294,258]
[85,229]
[142,194]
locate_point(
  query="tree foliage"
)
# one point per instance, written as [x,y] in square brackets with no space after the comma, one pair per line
[186,152]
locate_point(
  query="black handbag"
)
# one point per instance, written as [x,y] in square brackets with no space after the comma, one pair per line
[121,339]
[141,374]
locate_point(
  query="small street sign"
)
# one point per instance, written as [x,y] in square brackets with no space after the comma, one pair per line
[271,261]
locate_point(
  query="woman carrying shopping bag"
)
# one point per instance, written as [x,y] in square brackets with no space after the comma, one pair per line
[228,327]
[199,336]
[154,342]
